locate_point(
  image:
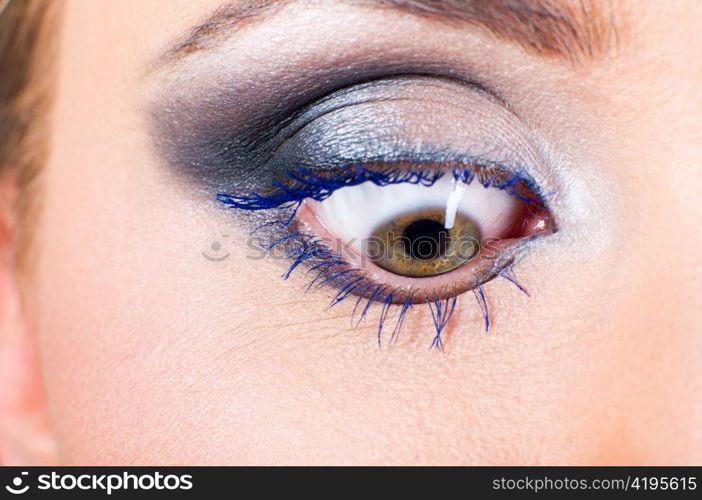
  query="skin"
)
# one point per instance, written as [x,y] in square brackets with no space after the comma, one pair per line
[132,348]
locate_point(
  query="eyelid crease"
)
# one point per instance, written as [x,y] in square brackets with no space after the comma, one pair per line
[298,118]
[432,78]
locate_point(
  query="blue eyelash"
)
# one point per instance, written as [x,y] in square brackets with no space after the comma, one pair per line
[482,302]
[308,185]
[508,274]
[511,185]
[305,184]
[334,272]
[441,312]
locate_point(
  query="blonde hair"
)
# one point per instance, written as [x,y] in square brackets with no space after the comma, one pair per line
[28,49]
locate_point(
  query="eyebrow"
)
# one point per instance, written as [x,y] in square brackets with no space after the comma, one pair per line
[574,30]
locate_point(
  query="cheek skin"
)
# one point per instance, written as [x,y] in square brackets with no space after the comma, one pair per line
[153,354]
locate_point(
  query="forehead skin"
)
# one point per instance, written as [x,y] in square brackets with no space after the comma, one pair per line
[153,355]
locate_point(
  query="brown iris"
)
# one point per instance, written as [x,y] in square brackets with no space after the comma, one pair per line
[417,244]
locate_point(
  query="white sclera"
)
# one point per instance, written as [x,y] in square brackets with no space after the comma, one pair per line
[353,213]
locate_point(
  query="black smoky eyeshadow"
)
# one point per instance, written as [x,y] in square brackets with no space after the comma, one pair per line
[224,141]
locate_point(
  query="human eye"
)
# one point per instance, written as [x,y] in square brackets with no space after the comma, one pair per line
[400,192]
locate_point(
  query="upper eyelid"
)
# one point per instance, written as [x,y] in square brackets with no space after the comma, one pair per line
[296,120]
[539,172]
[453,84]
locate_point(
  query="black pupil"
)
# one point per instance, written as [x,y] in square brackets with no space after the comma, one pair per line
[425,239]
